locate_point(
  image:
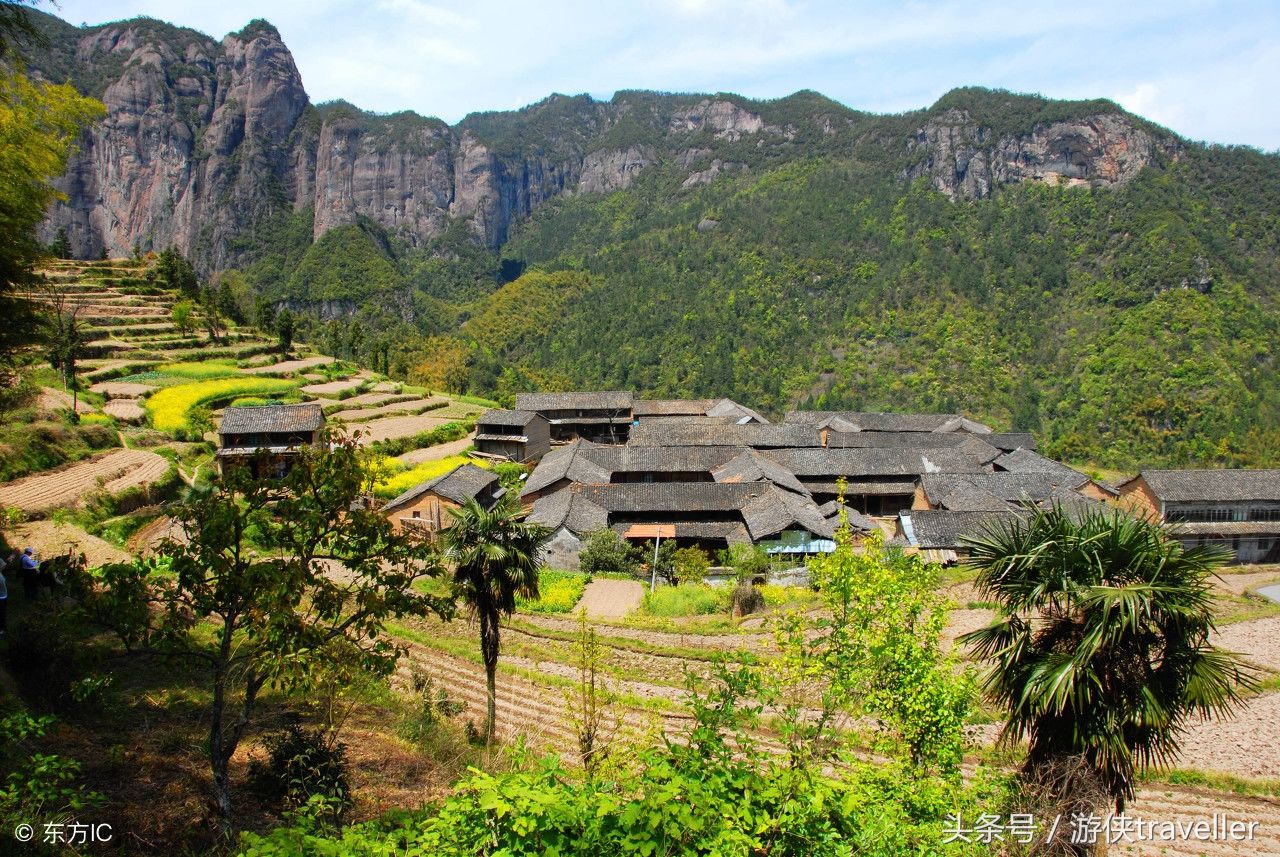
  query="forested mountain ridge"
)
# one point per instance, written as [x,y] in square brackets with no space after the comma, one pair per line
[1063,267]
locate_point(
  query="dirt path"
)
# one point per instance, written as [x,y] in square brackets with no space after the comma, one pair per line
[611,599]
[439,451]
[113,472]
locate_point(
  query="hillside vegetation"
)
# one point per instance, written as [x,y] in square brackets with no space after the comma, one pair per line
[1129,325]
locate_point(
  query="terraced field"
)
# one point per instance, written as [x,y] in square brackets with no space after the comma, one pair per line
[647,670]
[112,472]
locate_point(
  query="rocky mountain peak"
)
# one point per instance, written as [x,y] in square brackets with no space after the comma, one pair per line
[203,139]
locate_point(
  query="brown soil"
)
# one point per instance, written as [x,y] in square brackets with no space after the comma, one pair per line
[439,451]
[122,389]
[391,428]
[112,472]
[611,599]
[413,406]
[287,366]
[55,400]
[125,410]
[51,539]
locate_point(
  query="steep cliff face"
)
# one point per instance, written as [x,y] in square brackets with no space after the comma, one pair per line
[205,139]
[964,159]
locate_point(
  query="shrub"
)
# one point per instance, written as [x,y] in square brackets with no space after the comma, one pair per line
[775,595]
[305,763]
[747,561]
[687,599]
[558,592]
[606,552]
[747,599]
[692,564]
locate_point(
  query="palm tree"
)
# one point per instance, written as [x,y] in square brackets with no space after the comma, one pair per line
[1100,648]
[495,557]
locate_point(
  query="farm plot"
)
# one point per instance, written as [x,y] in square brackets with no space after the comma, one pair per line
[170,407]
[113,472]
[122,389]
[332,388]
[56,400]
[392,428]
[125,410]
[407,408]
[289,366]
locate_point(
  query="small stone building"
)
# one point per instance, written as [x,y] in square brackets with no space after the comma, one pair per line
[273,434]
[425,507]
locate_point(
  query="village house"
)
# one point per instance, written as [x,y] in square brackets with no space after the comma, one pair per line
[604,417]
[516,435]
[1237,509]
[424,508]
[265,438]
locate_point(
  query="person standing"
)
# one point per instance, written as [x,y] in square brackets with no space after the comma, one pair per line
[30,574]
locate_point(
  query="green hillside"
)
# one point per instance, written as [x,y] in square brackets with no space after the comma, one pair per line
[1131,325]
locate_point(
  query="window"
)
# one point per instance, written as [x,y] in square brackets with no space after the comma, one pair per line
[1202,515]
[417,514]
[1259,514]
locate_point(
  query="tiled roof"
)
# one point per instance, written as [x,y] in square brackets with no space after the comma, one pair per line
[936,529]
[920,439]
[614,400]
[671,407]
[750,466]
[1214,486]
[506,417]
[272,419]
[995,491]
[1228,528]
[459,485]
[870,421]
[714,432]
[732,411]
[1028,461]
[566,462]
[873,461]
[568,509]
[1011,440]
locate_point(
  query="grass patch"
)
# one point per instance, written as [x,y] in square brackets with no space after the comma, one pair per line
[778,596]
[687,599]
[558,592]
[169,408]
[1215,781]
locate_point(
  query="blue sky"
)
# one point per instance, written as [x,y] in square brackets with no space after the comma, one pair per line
[1207,70]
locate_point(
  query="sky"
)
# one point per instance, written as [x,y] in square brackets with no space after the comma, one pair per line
[1207,70]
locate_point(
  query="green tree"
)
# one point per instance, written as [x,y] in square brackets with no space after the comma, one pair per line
[495,557]
[284,330]
[61,246]
[1100,650]
[173,271]
[691,564]
[40,126]
[321,569]
[183,315]
[66,337]
[606,552]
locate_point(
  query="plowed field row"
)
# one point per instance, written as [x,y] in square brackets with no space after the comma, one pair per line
[113,472]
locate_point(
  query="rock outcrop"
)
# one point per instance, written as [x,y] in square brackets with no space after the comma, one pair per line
[964,160]
[204,140]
